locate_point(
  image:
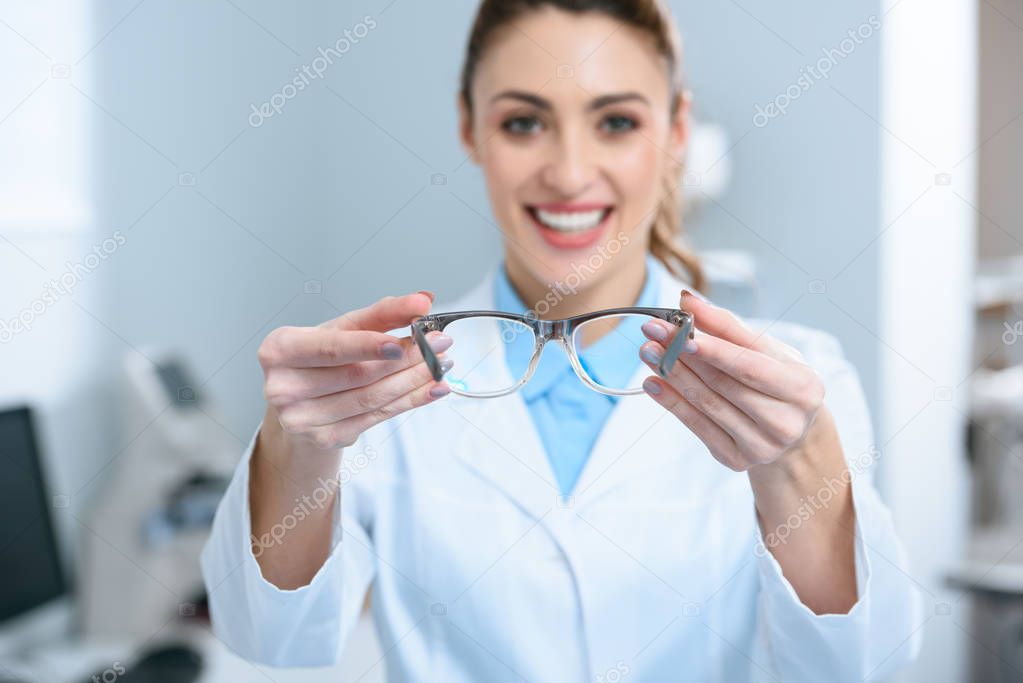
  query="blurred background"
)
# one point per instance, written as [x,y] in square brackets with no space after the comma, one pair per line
[168,197]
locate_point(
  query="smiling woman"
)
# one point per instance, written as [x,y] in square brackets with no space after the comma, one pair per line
[615,89]
[588,509]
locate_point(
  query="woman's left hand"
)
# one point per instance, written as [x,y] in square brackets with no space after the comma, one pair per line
[759,408]
[750,398]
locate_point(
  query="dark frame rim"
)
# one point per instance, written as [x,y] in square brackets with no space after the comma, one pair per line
[561,329]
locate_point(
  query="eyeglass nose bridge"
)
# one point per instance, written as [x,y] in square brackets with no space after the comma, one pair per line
[552,330]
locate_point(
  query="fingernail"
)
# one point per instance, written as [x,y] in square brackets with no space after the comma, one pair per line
[693,292]
[446,364]
[439,390]
[391,351]
[440,342]
[651,386]
[427,293]
[651,355]
[654,331]
[689,346]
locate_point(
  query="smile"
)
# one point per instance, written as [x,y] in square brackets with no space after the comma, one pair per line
[570,227]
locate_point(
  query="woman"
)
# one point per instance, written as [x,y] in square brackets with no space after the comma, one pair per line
[714,528]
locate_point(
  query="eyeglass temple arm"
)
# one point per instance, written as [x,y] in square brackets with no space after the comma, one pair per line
[428,355]
[674,350]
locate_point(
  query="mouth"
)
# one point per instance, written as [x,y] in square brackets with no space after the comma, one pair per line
[570,226]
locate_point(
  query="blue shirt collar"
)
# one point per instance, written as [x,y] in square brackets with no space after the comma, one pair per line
[554,365]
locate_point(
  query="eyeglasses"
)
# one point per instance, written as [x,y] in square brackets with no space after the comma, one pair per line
[600,345]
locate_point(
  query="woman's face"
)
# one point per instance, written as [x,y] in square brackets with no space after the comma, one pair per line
[572,128]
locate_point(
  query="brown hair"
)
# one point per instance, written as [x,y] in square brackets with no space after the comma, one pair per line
[652,16]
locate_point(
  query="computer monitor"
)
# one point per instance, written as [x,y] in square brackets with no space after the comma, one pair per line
[33,579]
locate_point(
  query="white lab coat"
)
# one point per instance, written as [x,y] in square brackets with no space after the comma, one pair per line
[650,572]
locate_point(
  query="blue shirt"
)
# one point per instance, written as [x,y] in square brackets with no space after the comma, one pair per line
[568,414]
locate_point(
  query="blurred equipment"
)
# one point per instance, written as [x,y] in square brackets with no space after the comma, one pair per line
[141,565]
[996,446]
[994,579]
[993,569]
[34,593]
[998,292]
[732,280]
[708,165]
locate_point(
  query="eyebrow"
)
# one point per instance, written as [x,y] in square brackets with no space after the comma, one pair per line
[596,103]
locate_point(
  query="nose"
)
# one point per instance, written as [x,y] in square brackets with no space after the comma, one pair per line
[571,168]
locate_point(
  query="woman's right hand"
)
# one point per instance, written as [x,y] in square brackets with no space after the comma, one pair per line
[328,384]
[325,386]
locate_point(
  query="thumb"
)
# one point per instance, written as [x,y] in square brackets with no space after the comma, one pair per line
[388,313]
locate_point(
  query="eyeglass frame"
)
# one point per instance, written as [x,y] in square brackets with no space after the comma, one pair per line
[561,331]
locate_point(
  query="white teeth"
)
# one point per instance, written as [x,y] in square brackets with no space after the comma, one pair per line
[575,221]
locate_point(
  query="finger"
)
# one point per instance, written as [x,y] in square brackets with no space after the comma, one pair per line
[759,371]
[384,315]
[713,317]
[289,384]
[719,442]
[666,333]
[745,433]
[345,404]
[774,417]
[750,401]
[725,324]
[309,347]
[428,393]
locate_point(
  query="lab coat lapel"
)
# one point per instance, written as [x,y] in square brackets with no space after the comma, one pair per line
[636,425]
[498,440]
[496,437]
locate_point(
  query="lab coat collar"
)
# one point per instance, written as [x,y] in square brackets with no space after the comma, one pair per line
[554,364]
[497,440]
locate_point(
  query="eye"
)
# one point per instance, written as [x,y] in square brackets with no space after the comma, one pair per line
[521,125]
[617,123]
